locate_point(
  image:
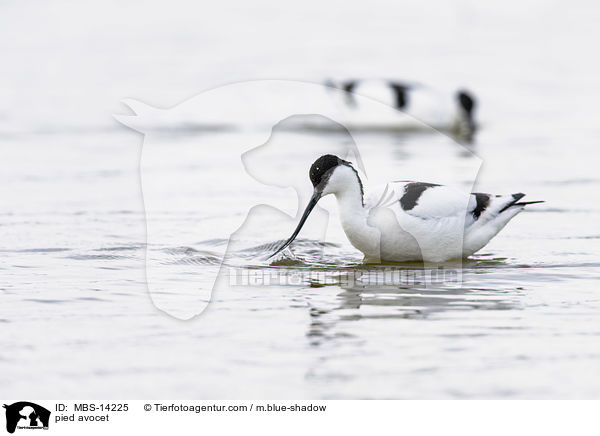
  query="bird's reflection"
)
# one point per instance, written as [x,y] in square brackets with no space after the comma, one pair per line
[374,293]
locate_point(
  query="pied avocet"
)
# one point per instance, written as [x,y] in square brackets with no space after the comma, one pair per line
[453,112]
[406,221]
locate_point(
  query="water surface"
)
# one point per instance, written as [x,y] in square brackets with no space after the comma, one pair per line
[76,317]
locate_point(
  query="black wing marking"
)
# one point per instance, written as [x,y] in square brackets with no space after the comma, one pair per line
[412,193]
[516,198]
[349,87]
[400,93]
[483,201]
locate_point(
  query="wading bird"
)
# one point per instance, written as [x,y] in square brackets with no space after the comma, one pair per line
[407,221]
[452,112]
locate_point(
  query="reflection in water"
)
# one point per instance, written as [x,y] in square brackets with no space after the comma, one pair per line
[369,298]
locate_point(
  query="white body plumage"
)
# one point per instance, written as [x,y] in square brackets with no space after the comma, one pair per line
[405,221]
[447,111]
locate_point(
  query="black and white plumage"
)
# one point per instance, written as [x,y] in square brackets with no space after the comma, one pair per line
[405,220]
[453,112]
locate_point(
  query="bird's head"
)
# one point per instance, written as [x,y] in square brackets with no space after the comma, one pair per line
[329,175]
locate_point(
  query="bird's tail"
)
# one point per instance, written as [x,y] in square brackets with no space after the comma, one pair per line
[515,202]
[525,203]
[501,210]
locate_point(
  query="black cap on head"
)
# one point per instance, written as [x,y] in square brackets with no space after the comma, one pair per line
[319,170]
[319,174]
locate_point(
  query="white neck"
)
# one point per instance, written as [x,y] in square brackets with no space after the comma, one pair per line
[345,184]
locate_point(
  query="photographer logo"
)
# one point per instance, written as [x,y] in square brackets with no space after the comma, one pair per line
[27,416]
